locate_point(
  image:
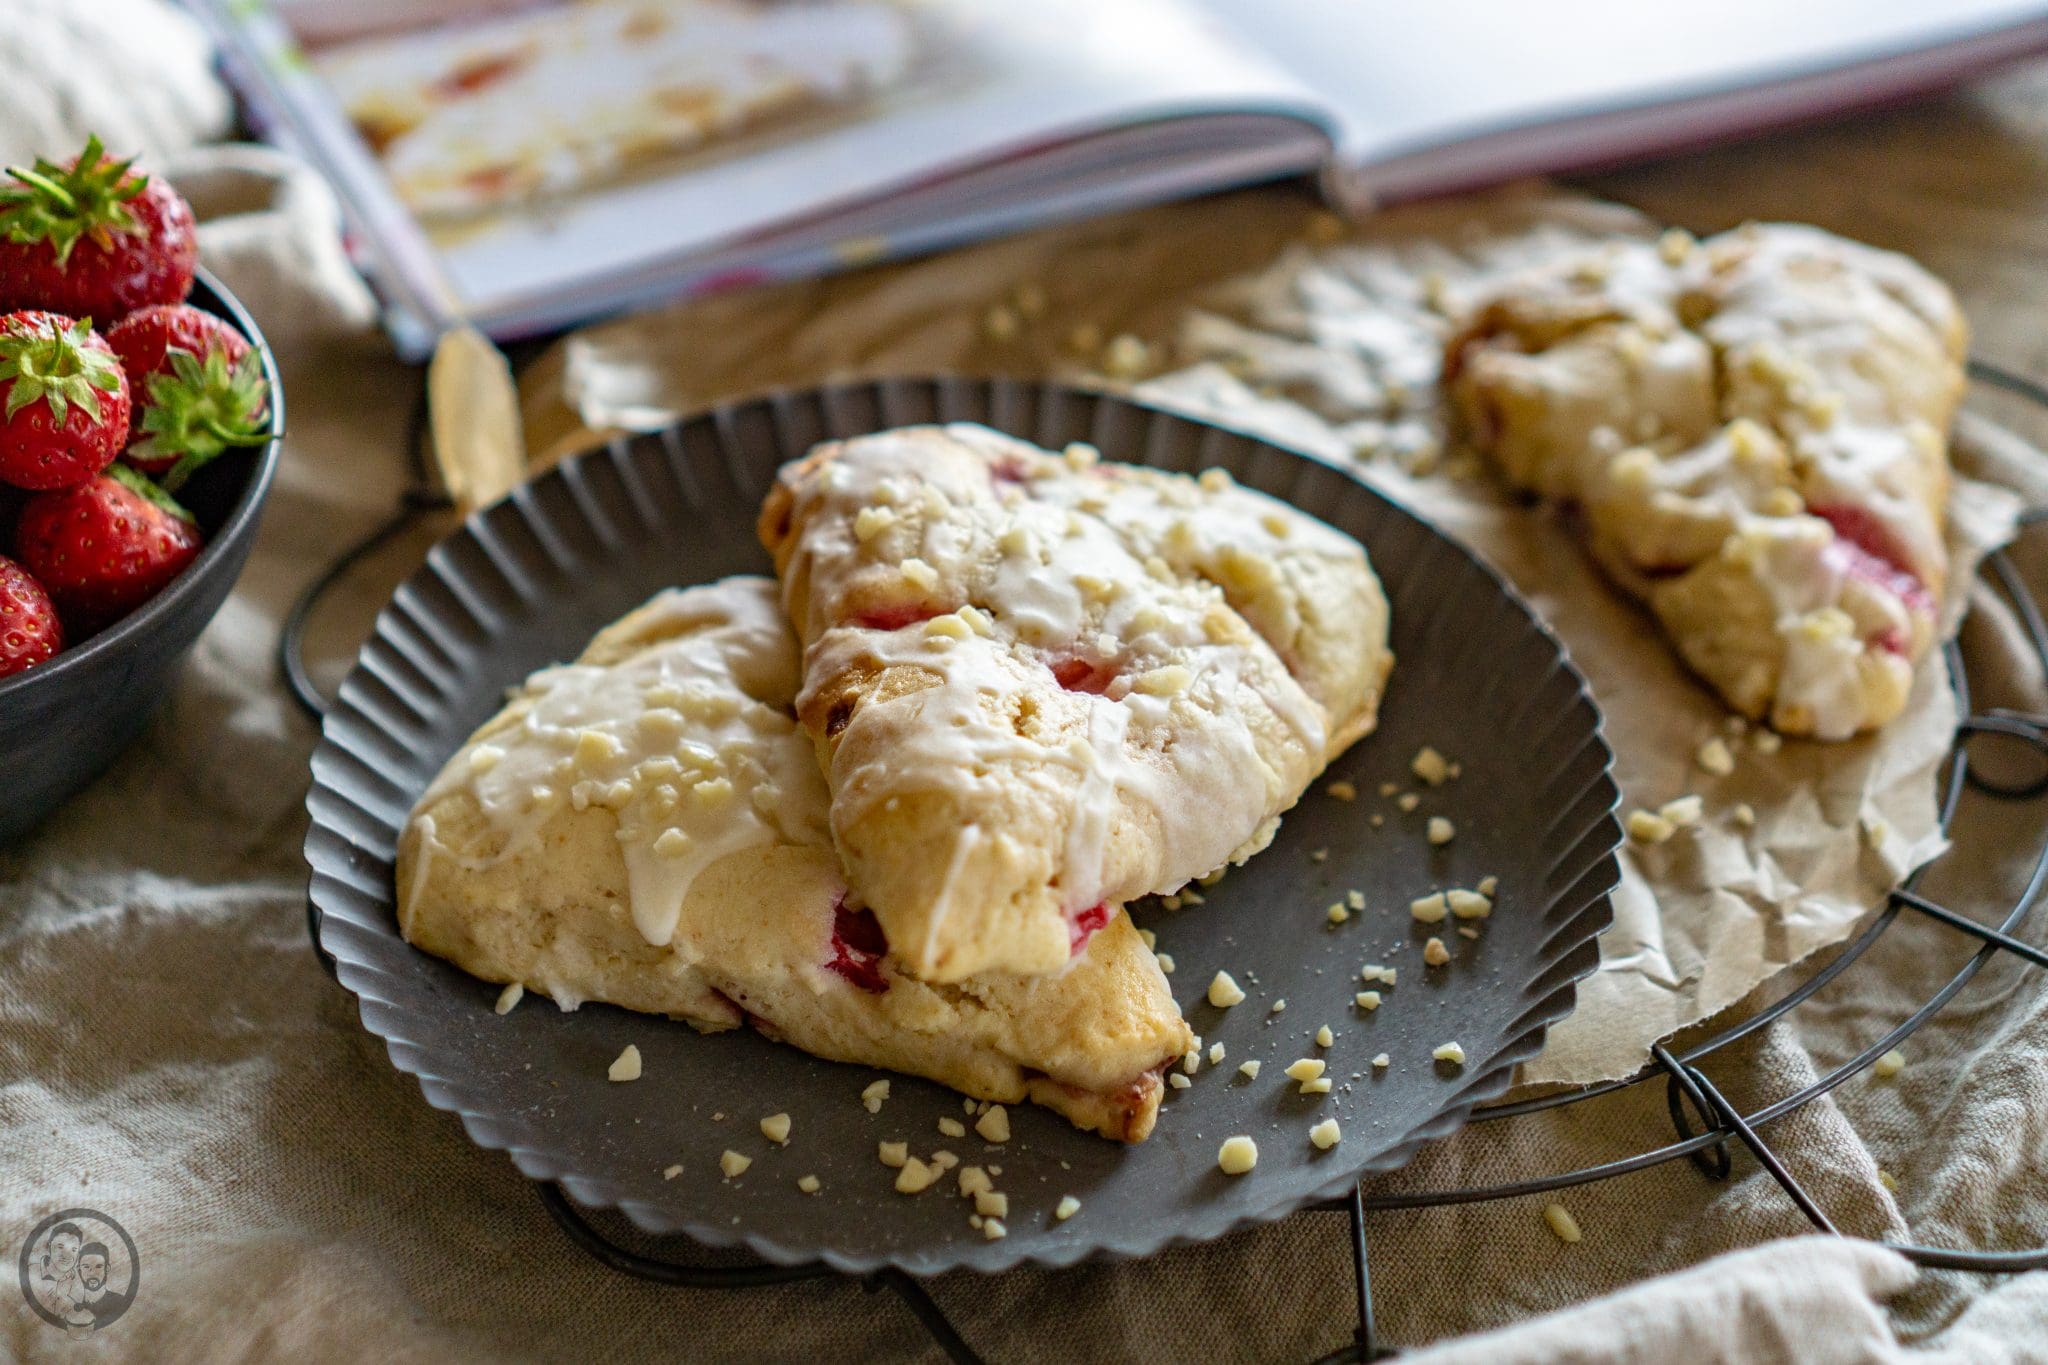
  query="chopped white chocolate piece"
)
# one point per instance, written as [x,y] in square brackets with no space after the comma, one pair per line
[994,1125]
[1250,1070]
[1324,1037]
[1468,904]
[733,1164]
[973,1180]
[1191,1060]
[952,1127]
[1429,765]
[808,1184]
[1066,1208]
[1325,1135]
[1434,953]
[1430,909]
[1889,1065]
[1562,1223]
[943,1161]
[1382,1061]
[1215,1054]
[1179,1081]
[1714,757]
[915,1177]
[992,1228]
[1319,1086]
[893,1153]
[1453,1053]
[1367,1000]
[1441,831]
[509,997]
[872,1097]
[1343,791]
[1648,827]
[1237,1155]
[1683,811]
[626,1066]
[1306,1069]
[776,1128]
[991,1204]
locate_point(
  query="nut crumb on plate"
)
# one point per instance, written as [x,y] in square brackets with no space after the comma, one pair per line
[1337,914]
[1488,886]
[1441,831]
[671,1172]
[952,1127]
[1367,1000]
[992,1204]
[1382,1061]
[994,1125]
[626,1066]
[1237,1155]
[1250,1070]
[1343,791]
[1325,1135]
[1430,909]
[733,1164]
[872,1097]
[993,1228]
[808,1184]
[1454,1053]
[1407,800]
[974,1180]
[1434,953]
[1215,1053]
[509,997]
[776,1128]
[1324,1037]
[1179,1081]
[1429,765]
[1276,1007]
[1066,1208]
[915,1177]
[893,1153]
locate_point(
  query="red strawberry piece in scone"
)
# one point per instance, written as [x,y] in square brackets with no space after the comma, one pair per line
[63,401]
[30,632]
[104,548]
[92,239]
[198,389]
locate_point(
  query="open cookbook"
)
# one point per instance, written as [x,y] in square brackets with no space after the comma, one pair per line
[525,164]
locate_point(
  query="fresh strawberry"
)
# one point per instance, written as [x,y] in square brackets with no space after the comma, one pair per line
[198,389]
[66,414]
[29,630]
[93,240]
[107,546]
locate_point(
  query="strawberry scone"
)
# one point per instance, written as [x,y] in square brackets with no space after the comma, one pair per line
[1040,685]
[1755,428]
[648,827]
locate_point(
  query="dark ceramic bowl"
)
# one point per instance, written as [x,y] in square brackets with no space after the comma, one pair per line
[63,722]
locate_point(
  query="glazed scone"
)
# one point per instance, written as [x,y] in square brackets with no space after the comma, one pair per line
[647,827]
[1041,683]
[1756,429]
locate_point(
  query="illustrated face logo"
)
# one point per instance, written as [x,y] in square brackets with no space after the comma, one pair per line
[79,1271]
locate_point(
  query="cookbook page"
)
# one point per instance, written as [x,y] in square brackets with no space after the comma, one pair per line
[498,152]
[1438,96]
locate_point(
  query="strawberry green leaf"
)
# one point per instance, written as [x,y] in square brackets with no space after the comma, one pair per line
[201,408]
[60,205]
[135,481]
[57,366]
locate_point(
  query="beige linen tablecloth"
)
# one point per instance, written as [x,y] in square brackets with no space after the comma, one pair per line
[170,1053]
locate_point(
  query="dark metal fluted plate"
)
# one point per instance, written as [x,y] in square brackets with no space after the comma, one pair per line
[528,581]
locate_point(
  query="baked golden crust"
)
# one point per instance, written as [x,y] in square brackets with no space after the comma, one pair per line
[551,893]
[1040,683]
[1755,427]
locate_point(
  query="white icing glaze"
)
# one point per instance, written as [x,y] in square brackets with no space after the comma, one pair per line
[689,741]
[1197,721]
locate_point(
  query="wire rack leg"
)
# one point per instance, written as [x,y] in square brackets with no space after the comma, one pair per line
[1731,1118]
[919,1301]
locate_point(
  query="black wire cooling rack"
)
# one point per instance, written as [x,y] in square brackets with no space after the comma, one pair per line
[1707,1124]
